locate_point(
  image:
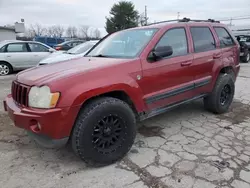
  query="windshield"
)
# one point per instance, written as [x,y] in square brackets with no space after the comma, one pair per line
[81,48]
[123,44]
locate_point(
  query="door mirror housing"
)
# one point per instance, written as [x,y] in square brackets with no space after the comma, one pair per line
[160,52]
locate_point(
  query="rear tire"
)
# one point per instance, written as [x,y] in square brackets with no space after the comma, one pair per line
[246,58]
[5,69]
[104,131]
[221,98]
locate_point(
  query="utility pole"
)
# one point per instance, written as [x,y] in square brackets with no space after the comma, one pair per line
[178,15]
[146,16]
[231,20]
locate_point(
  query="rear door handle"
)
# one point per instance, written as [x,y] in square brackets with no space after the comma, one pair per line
[217,56]
[186,63]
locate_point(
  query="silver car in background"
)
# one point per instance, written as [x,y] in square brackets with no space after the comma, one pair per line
[19,55]
[76,52]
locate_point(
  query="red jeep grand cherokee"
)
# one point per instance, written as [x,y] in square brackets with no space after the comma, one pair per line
[94,102]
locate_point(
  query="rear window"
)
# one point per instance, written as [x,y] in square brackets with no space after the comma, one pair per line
[51,40]
[203,39]
[225,38]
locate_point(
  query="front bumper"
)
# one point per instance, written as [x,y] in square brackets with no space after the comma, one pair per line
[49,127]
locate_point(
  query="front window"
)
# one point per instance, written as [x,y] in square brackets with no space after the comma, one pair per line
[123,44]
[17,47]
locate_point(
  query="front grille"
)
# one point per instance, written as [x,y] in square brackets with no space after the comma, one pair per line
[20,93]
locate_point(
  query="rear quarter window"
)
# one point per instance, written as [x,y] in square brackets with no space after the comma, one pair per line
[225,38]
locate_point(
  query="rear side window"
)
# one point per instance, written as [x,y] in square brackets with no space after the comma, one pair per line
[177,39]
[18,47]
[203,39]
[225,38]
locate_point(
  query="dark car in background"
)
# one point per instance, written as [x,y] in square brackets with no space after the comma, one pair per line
[68,45]
[244,41]
[50,41]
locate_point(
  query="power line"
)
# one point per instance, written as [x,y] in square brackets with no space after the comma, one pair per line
[230,19]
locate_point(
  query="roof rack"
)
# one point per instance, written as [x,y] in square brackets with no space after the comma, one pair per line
[185,20]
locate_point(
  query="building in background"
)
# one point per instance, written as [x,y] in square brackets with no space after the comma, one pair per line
[9,32]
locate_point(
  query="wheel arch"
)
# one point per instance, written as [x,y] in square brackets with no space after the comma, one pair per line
[118,94]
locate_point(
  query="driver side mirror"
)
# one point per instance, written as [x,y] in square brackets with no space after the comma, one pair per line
[160,52]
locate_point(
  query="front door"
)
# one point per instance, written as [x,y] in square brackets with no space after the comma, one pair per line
[169,80]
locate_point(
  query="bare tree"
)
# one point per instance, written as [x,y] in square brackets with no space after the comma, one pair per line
[84,31]
[29,33]
[55,31]
[37,29]
[51,31]
[142,20]
[97,34]
[71,32]
[59,30]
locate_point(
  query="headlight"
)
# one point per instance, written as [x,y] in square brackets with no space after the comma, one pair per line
[41,97]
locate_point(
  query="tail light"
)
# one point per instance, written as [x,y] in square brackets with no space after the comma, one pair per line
[58,48]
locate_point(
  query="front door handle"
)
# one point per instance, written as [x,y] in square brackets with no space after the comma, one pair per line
[217,56]
[186,63]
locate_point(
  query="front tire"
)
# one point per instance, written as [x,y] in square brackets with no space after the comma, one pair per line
[104,131]
[246,58]
[221,98]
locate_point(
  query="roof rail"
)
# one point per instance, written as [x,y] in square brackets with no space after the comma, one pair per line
[185,20]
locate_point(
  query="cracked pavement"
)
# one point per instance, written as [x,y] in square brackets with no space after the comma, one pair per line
[184,148]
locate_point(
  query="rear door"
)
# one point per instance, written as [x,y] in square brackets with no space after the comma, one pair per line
[18,55]
[228,47]
[38,52]
[169,80]
[206,55]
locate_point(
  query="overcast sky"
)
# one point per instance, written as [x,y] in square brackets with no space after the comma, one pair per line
[93,12]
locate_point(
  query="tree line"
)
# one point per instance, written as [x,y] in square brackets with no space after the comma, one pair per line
[123,15]
[83,31]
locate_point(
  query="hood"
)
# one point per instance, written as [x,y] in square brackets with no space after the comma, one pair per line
[47,73]
[59,58]
[53,55]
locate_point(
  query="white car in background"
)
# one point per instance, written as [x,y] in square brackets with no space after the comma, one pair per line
[19,55]
[76,52]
